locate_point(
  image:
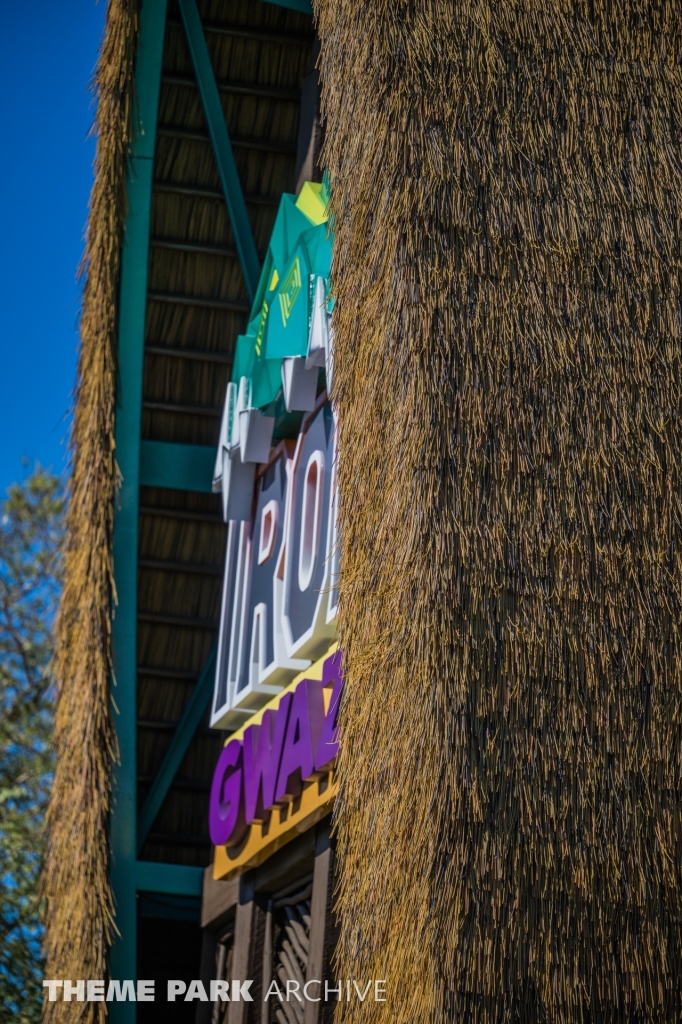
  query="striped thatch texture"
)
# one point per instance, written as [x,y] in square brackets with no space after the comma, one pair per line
[507,191]
[79,920]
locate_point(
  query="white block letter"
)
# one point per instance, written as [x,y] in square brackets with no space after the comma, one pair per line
[220,990]
[145,991]
[327,990]
[123,992]
[95,991]
[273,984]
[175,988]
[196,990]
[290,984]
[311,999]
[241,991]
[380,986]
[52,987]
[77,990]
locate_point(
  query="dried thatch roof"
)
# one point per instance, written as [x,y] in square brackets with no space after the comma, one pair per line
[195,310]
[507,191]
[80,911]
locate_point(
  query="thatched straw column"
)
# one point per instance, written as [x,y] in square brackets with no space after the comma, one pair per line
[79,924]
[507,192]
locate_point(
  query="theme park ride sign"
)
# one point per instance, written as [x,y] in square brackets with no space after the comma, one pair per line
[278,615]
[278,611]
[274,777]
[279,599]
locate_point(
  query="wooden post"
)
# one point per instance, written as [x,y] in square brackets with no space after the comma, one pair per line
[322,928]
[219,900]
[218,1011]
[267,964]
[218,908]
[249,934]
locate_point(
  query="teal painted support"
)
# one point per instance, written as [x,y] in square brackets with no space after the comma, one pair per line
[182,467]
[177,749]
[131,311]
[169,879]
[304,6]
[222,147]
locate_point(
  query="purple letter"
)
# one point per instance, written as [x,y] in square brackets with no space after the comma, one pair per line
[262,753]
[332,673]
[226,821]
[302,740]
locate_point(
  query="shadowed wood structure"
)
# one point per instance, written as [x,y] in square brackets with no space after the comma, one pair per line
[193,258]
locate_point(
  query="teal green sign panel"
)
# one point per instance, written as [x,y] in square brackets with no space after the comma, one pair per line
[291,306]
[288,323]
[299,251]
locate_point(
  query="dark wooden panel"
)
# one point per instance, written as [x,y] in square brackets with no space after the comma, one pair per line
[320,923]
[249,933]
[219,900]
[289,861]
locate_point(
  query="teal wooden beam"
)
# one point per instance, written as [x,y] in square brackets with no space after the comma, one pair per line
[131,313]
[169,879]
[182,467]
[304,6]
[182,737]
[222,147]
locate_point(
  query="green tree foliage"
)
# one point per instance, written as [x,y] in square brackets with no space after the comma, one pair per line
[30,541]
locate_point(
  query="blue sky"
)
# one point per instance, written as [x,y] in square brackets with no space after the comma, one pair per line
[48,52]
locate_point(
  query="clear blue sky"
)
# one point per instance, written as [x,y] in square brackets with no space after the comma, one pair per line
[48,53]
